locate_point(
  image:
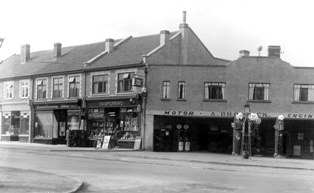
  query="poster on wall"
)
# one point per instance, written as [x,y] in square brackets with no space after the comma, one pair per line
[297,150]
[105,144]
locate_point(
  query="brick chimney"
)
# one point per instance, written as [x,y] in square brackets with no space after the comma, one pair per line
[25,53]
[109,45]
[184,29]
[164,37]
[56,50]
[244,53]
[274,51]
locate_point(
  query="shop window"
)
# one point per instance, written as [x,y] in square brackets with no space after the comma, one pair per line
[11,123]
[46,125]
[73,119]
[129,124]
[24,88]
[125,82]
[303,92]
[41,88]
[8,90]
[57,87]
[214,90]
[258,91]
[100,84]
[181,90]
[166,89]
[74,86]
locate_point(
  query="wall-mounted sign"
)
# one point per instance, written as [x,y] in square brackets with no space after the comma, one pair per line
[111,103]
[137,82]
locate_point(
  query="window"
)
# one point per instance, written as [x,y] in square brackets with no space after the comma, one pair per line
[181,90]
[57,87]
[166,89]
[8,90]
[214,90]
[74,86]
[125,82]
[41,88]
[24,88]
[303,92]
[258,91]
[100,84]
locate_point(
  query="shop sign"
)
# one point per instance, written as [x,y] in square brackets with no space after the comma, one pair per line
[111,103]
[301,115]
[137,82]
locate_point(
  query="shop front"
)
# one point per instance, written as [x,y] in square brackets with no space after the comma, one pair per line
[15,121]
[51,122]
[119,118]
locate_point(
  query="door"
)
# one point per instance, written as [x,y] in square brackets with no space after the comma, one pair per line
[60,125]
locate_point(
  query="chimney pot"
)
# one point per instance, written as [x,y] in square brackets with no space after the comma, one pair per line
[57,50]
[274,51]
[109,45]
[184,17]
[244,53]
[164,37]
[25,53]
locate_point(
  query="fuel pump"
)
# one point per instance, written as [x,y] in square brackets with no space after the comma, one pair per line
[237,128]
[279,137]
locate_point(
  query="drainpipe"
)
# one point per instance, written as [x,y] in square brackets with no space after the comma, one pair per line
[144,103]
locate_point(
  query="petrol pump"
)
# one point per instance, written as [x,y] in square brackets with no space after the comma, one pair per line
[237,129]
[183,135]
[280,148]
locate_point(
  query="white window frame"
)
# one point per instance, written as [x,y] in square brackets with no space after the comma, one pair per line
[8,90]
[71,77]
[52,86]
[36,88]
[209,84]
[124,71]
[166,89]
[266,87]
[24,87]
[183,90]
[91,83]
[297,92]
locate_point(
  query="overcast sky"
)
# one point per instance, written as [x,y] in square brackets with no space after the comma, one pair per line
[224,26]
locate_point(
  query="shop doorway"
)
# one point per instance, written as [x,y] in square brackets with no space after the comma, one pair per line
[60,123]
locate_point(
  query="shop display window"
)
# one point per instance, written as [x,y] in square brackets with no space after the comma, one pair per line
[95,122]
[129,124]
[73,119]
[24,124]
[46,125]
[15,123]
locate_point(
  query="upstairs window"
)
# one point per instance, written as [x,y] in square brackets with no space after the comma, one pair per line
[166,89]
[57,87]
[41,88]
[181,90]
[8,90]
[125,82]
[258,91]
[100,84]
[303,92]
[214,90]
[24,88]
[74,86]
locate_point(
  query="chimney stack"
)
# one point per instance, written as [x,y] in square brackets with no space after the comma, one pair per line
[184,29]
[109,45]
[244,53]
[57,50]
[274,51]
[25,53]
[164,37]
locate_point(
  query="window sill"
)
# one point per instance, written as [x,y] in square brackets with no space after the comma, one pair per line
[303,102]
[181,99]
[259,101]
[214,100]
[165,99]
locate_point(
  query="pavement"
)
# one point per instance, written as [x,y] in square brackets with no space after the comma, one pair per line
[66,184]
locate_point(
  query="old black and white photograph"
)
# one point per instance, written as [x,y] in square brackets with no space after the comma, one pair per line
[142,96]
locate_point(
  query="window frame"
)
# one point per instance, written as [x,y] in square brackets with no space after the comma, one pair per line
[77,86]
[59,91]
[42,85]
[208,93]
[254,88]
[181,90]
[8,88]
[298,89]
[121,82]
[105,84]
[24,87]
[166,90]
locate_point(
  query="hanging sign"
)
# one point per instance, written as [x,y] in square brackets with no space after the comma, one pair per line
[137,82]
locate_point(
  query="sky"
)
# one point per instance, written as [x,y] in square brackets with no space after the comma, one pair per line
[224,26]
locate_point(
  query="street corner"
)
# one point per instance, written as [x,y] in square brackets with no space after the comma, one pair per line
[16,180]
